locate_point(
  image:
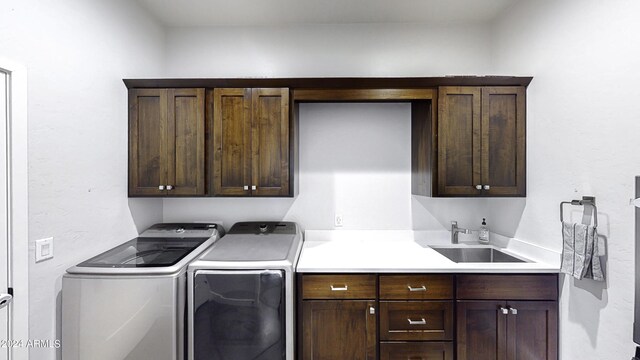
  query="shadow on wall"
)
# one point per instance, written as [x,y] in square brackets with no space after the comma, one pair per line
[503,214]
[145,212]
[587,298]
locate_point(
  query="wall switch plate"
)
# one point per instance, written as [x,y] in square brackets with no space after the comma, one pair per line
[339,220]
[44,249]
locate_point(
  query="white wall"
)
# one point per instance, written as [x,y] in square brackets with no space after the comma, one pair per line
[76,53]
[583,126]
[328,50]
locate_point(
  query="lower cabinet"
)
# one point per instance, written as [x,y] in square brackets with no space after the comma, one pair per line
[524,327]
[522,330]
[416,320]
[339,317]
[421,317]
[416,351]
[339,329]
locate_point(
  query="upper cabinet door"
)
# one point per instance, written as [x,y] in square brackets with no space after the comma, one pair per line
[481,141]
[270,142]
[231,142]
[459,141]
[503,141]
[147,142]
[185,142]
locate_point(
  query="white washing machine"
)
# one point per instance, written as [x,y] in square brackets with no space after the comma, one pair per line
[128,303]
[240,294]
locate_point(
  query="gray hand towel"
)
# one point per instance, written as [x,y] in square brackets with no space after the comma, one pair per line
[580,252]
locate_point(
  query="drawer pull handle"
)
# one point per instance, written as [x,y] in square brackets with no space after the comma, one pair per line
[422,321]
[339,288]
[420,288]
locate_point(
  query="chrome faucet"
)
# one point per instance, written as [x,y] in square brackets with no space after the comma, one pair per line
[455,230]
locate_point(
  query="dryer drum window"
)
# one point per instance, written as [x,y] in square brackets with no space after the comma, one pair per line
[239,315]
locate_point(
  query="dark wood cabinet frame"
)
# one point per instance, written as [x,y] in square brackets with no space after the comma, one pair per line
[421,92]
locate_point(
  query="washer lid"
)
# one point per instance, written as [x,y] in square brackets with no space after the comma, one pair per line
[145,252]
[269,247]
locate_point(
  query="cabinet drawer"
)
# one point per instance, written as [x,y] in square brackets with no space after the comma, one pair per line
[339,287]
[416,287]
[416,320]
[508,287]
[416,351]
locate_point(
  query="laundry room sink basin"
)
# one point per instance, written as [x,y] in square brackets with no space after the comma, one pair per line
[476,255]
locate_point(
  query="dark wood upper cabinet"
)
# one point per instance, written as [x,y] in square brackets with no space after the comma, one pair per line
[481,141]
[186,142]
[270,142]
[468,134]
[231,133]
[249,142]
[503,141]
[166,142]
[147,141]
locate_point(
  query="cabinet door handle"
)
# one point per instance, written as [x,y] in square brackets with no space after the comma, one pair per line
[422,321]
[245,188]
[169,187]
[419,288]
[253,187]
[514,311]
[161,187]
[487,187]
[339,288]
[479,187]
[372,310]
[504,310]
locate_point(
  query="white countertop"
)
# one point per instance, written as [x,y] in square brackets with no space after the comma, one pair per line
[406,251]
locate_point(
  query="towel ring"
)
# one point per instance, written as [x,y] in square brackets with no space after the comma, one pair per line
[586,201]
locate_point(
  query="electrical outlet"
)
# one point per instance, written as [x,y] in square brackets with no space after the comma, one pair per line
[44,249]
[339,221]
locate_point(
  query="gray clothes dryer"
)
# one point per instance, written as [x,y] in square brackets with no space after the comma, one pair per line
[129,302]
[241,294]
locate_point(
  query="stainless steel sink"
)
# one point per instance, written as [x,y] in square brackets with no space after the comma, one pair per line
[477,255]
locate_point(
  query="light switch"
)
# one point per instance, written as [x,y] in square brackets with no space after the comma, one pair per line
[44,249]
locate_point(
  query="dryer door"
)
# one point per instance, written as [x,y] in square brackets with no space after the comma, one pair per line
[238,315]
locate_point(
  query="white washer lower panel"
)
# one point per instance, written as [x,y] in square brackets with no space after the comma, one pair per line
[122,317]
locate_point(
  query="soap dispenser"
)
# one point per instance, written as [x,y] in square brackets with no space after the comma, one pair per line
[483,233]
